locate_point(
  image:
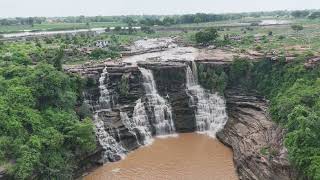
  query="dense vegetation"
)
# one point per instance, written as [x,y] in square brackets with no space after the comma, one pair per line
[215,79]
[41,134]
[295,101]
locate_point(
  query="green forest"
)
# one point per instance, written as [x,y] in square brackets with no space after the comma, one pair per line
[42,136]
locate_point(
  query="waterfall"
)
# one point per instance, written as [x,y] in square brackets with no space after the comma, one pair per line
[104,99]
[194,71]
[112,149]
[138,125]
[210,112]
[128,123]
[140,118]
[161,109]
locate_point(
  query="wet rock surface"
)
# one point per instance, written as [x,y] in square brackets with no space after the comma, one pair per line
[257,142]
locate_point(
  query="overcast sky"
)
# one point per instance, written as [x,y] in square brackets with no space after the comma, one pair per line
[13,8]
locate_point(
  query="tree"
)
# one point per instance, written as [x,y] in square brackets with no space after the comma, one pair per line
[57,60]
[147,30]
[167,21]
[88,25]
[207,36]
[297,28]
[300,14]
[39,129]
[314,15]
[197,20]
[117,29]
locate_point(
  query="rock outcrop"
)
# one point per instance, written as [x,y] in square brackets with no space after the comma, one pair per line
[257,142]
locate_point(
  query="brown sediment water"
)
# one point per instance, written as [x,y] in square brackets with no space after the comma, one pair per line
[189,156]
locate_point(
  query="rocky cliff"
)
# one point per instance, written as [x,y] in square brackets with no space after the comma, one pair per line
[256,141]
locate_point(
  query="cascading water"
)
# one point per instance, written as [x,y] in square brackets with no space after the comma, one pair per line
[140,118]
[138,125]
[161,109]
[112,149]
[104,99]
[210,108]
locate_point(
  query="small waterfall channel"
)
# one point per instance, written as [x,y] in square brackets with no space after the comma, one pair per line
[161,109]
[138,125]
[113,151]
[210,112]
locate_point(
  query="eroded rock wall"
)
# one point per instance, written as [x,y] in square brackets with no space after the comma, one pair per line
[256,141]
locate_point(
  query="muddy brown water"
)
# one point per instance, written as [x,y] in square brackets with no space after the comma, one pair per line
[188,156]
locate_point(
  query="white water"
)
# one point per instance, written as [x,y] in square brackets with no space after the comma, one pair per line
[104,99]
[138,123]
[162,122]
[109,144]
[210,108]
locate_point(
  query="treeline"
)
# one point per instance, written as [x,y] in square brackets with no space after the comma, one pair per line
[22,21]
[151,20]
[306,14]
[188,18]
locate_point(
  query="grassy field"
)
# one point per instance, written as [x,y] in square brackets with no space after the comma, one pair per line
[266,39]
[56,26]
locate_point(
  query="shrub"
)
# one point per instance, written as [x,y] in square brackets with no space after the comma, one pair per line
[207,36]
[124,85]
[147,30]
[258,48]
[101,53]
[214,79]
[297,27]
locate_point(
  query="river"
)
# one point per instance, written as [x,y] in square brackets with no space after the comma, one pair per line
[188,156]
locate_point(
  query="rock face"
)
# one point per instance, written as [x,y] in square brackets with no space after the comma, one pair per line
[257,142]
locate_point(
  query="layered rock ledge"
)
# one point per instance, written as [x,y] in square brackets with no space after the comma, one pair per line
[256,141]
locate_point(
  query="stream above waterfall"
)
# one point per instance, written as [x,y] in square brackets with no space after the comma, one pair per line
[187,156]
